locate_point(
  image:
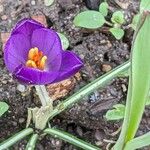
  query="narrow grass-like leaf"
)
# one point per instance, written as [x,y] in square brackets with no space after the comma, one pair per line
[89,19]
[3,108]
[140,74]
[138,142]
[138,82]
[70,139]
[15,138]
[99,82]
[32,142]
[144,5]
[135,21]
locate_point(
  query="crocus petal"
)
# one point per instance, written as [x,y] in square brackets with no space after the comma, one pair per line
[49,43]
[27,75]
[15,51]
[71,64]
[26,27]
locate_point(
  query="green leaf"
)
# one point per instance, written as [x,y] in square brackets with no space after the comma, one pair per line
[103,8]
[138,142]
[89,19]
[3,108]
[139,80]
[117,32]
[118,17]
[144,5]
[48,2]
[64,41]
[135,21]
[15,138]
[117,113]
[70,139]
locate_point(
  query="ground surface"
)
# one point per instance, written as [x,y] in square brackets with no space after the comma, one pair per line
[100,52]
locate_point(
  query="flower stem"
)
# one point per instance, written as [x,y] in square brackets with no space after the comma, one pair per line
[15,138]
[70,138]
[99,82]
[43,95]
[32,142]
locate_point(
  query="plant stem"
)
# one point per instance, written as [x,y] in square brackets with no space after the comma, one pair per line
[108,23]
[32,142]
[43,95]
[15,138]
[70,139]
[99,82]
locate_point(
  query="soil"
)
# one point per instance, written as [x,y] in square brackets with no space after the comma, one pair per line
[100,52]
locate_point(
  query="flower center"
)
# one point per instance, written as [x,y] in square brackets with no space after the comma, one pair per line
[36,59]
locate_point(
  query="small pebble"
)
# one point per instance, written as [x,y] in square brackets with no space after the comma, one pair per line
[21,120]
[4,17]
[106,67]
[79,131]
[21,88]
[32,2]
[1,8]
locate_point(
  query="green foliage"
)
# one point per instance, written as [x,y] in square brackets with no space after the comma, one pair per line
[3,108]
[64,41]
[89,19]
[117,32]
[139,80]
[144,5]
[103,8]
[117,113]
[48,2]
[135,21]
[138,142]
[118,17]
[71,139]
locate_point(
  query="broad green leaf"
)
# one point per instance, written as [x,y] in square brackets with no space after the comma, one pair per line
[138,142]
[144,5]
[103,8]
[64,41]
[135,21]
[117,33]
[118,17]
[117,113]
[89,19]
[48,2]
[3,108]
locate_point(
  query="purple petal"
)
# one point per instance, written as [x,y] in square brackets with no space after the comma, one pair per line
[49,43]
[26,27]
[71,64]
[27,75]
[15,51]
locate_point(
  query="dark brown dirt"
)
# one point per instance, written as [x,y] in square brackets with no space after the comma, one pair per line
[97,48]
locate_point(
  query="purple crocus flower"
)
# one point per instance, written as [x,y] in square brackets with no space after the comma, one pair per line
[34,55]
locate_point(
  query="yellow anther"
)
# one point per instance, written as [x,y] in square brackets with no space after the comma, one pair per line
[42,62]
[32,53]
[31,63]
[36,59]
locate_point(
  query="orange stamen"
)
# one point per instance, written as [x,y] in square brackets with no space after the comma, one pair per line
[36,59]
